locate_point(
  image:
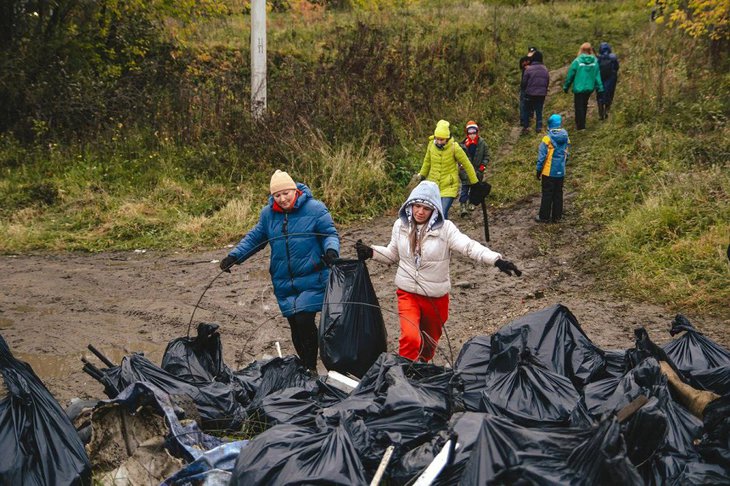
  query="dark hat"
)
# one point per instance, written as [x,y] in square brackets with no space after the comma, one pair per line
[531,50]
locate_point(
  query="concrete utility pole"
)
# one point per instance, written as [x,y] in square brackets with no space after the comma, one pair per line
[258,58]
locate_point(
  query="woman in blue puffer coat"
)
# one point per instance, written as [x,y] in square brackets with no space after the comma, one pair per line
[303,241]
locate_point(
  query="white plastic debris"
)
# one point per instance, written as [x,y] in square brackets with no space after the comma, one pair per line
[342,382]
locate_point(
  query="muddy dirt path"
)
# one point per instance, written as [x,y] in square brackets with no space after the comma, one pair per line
[53,305]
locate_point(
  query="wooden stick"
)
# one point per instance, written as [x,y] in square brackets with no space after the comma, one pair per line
[99,355]
[383,464]
[695,400]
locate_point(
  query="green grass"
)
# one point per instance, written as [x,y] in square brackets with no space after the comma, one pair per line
[656,177]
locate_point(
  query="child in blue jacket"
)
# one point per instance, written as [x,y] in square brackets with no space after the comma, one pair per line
[552,155]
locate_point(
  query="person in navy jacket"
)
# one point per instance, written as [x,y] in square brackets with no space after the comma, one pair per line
[304,242]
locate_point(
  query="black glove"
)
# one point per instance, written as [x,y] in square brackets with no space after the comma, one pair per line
[227,263]
[364,252]
[537,173]
[507,267]
[330,256]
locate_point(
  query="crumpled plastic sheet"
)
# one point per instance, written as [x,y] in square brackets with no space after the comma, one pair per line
[216,402]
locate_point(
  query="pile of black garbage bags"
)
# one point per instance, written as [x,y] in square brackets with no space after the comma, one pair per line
[535,403]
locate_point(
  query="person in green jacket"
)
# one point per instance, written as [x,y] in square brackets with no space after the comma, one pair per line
[585,76]
[441,165]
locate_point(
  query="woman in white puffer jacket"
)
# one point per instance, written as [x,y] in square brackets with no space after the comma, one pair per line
[421,244]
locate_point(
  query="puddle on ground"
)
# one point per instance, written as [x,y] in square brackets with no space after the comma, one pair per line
[48,366]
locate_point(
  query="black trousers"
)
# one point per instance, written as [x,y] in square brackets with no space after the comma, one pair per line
[580,102]
[304,336]
[551,205]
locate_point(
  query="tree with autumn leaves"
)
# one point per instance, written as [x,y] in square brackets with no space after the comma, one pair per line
[698,18]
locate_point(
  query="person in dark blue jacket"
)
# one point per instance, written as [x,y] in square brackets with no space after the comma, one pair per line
[552,155]
[304,242]
[608,65]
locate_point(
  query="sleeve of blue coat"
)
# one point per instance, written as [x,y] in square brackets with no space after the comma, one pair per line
[326,226]
[254,241]
[541,155]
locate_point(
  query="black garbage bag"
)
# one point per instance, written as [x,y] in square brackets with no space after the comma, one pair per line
[506,453]
[716,380]
[660,436]
[706,362]
[715,444]
[295,455]
[299,406]
[615,363]
[701,473]
[471,365]
[39,444]
[215,402]
[645,348]
[280,374]
[197,359]
[557,340]
[248,380]
[398,402]
[292,406]
[524,390]
[464,428]
[694,351]
[478,192]
[351,331]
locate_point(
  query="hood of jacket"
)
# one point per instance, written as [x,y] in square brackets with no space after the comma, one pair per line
[426,192]
[604,48]
[305,194]
[558,136]
[587,59]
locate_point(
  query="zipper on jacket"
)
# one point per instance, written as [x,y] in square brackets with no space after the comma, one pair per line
[285,230]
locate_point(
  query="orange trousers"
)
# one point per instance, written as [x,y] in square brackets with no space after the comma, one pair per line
[421,323]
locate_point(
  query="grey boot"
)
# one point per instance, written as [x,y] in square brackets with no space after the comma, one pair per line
[463,211]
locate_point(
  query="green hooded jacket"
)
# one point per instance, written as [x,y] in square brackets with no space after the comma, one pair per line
[584,74]
[442,167]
